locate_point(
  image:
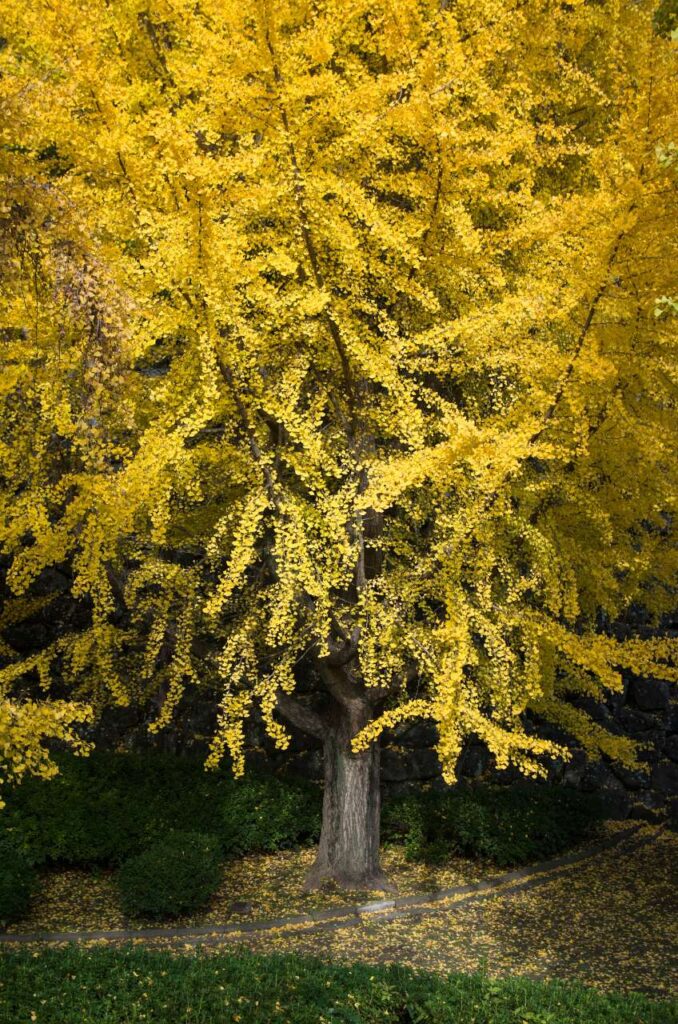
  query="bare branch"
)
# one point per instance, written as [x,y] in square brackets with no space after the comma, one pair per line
[299,715]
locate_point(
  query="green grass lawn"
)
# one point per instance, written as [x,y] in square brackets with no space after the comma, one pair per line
[129,985]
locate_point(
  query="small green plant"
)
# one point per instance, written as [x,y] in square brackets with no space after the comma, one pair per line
[17,879]
[175,875]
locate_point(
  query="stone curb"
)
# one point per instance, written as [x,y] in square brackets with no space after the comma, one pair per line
[351,915]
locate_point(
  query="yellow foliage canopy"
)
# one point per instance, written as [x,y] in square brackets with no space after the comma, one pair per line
[329,331]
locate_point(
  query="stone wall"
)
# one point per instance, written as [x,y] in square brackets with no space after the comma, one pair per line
[647,711]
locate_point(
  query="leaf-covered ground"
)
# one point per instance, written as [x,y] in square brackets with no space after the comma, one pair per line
[610,922]
[272,884]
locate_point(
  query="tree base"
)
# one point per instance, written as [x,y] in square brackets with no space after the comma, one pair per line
[348,850]
[320,876]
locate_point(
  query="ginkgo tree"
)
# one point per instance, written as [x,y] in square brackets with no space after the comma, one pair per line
[333,372]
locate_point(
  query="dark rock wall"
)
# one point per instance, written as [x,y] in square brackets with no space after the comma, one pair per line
[647,711]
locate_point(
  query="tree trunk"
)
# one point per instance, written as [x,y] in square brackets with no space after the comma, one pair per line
[348,853]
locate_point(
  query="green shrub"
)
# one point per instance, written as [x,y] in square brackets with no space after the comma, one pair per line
[17,879]
[175,875]
[508,825]
[104,808]
[107,807]
[267,814]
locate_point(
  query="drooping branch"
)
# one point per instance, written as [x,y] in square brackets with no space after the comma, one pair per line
[304,221]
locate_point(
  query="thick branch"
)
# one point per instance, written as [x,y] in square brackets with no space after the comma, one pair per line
[548,415]
[340,656]
[299,715]
[550,500]
[492,498]
[434,208]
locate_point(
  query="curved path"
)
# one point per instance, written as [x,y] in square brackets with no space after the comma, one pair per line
[350,915]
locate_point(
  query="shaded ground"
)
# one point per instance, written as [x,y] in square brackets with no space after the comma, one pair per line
[71,900]
[611,923]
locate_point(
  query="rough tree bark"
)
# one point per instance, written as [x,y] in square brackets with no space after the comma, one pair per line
[348,851]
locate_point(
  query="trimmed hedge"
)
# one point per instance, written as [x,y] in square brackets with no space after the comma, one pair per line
[175,875]
[107,807]
[17,881]
[118,986]
[267,814]
[507,825]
